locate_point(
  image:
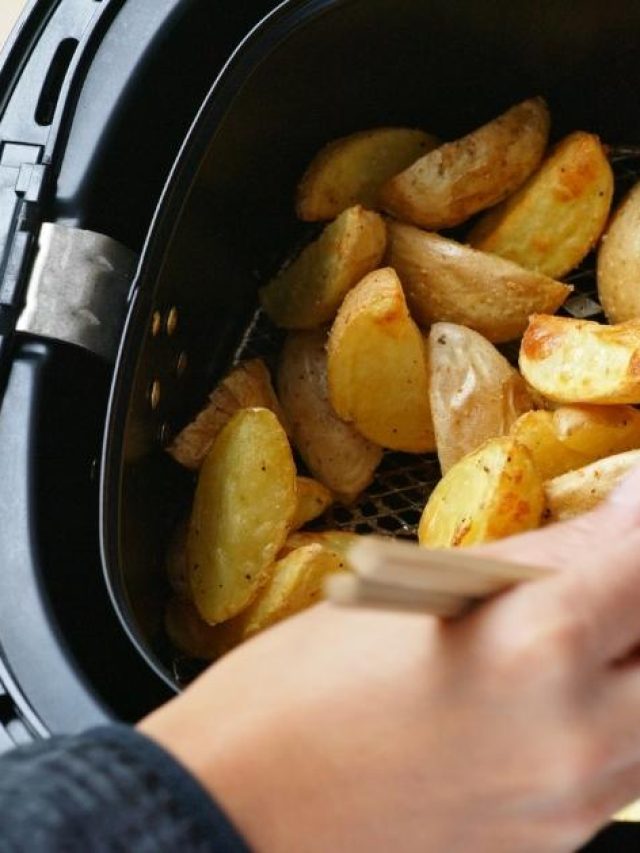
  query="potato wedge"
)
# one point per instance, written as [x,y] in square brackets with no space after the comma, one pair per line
[377,366]
[176,564]
[598,431]
[296,583]
[243,508]
[553,221]
[579,491]
[475,393]
[446,281]
[456,180]
[619,262]
[332,450]
[579,361]
[494,492]
[337,541]
[248,385]
[308,292]
[552,457]
[190,634]
[352,169]
[313,500]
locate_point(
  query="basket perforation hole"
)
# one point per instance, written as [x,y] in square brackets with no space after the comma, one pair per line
[156,323]
[171,321]
[155,394]
[182,364]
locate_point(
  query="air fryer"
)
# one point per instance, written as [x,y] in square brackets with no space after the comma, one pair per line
[310,72]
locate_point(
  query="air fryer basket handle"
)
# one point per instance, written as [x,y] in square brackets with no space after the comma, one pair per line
[42,71]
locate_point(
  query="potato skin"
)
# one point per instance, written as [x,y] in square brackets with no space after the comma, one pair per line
[351,170]
[556,218]
[313,500]
[446,281]
[582,490]
[619,262]
[244,503]
[598,431]
[475,393]
[247,385]
[310,290]
[552,457]
[579,361]
[493,492]
[377,366]
[335,453]
[458,179]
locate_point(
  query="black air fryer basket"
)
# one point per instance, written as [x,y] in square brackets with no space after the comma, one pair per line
[313,70]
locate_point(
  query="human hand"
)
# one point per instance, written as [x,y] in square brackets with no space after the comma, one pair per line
[512,729]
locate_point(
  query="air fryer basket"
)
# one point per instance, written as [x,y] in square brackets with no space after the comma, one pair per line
[311,72]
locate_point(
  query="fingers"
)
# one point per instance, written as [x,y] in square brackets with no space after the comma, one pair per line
[597,594]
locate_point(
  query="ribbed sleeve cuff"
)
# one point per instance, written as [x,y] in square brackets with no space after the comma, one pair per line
[109,789]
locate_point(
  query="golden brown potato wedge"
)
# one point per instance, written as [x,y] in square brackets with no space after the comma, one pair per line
[337,541]
[579,361]
[475,393]
[309,291]
[619,262]
[456,180]
[190,634]
[582,490]
[446,281]
[296,583]
[553,221]
[598,431]
[248,384]
[313,500]
[494,492]
[552,457]
[332,450]
[243,508]
[377,366]
[176,564]
[351,170]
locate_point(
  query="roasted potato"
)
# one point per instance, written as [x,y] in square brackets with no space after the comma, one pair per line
[296,583]
[248,384]
[475,393]
[552,222]
[337,541]
[579,361]
[377,366]
[176,564]
[308,292]
[456,180]
[332,450]
[582,490]
[598,431]
[244,504]
[351,170]
[444,280]
[552,457]
[313,500]
[190,634]
[619,262]
[494,492]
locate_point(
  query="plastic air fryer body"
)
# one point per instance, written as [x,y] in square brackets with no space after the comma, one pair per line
[121,139]
[97,96]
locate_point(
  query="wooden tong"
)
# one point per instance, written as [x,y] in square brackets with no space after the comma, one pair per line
[397,575]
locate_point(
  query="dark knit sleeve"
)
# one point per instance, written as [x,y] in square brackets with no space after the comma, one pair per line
[110,789]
